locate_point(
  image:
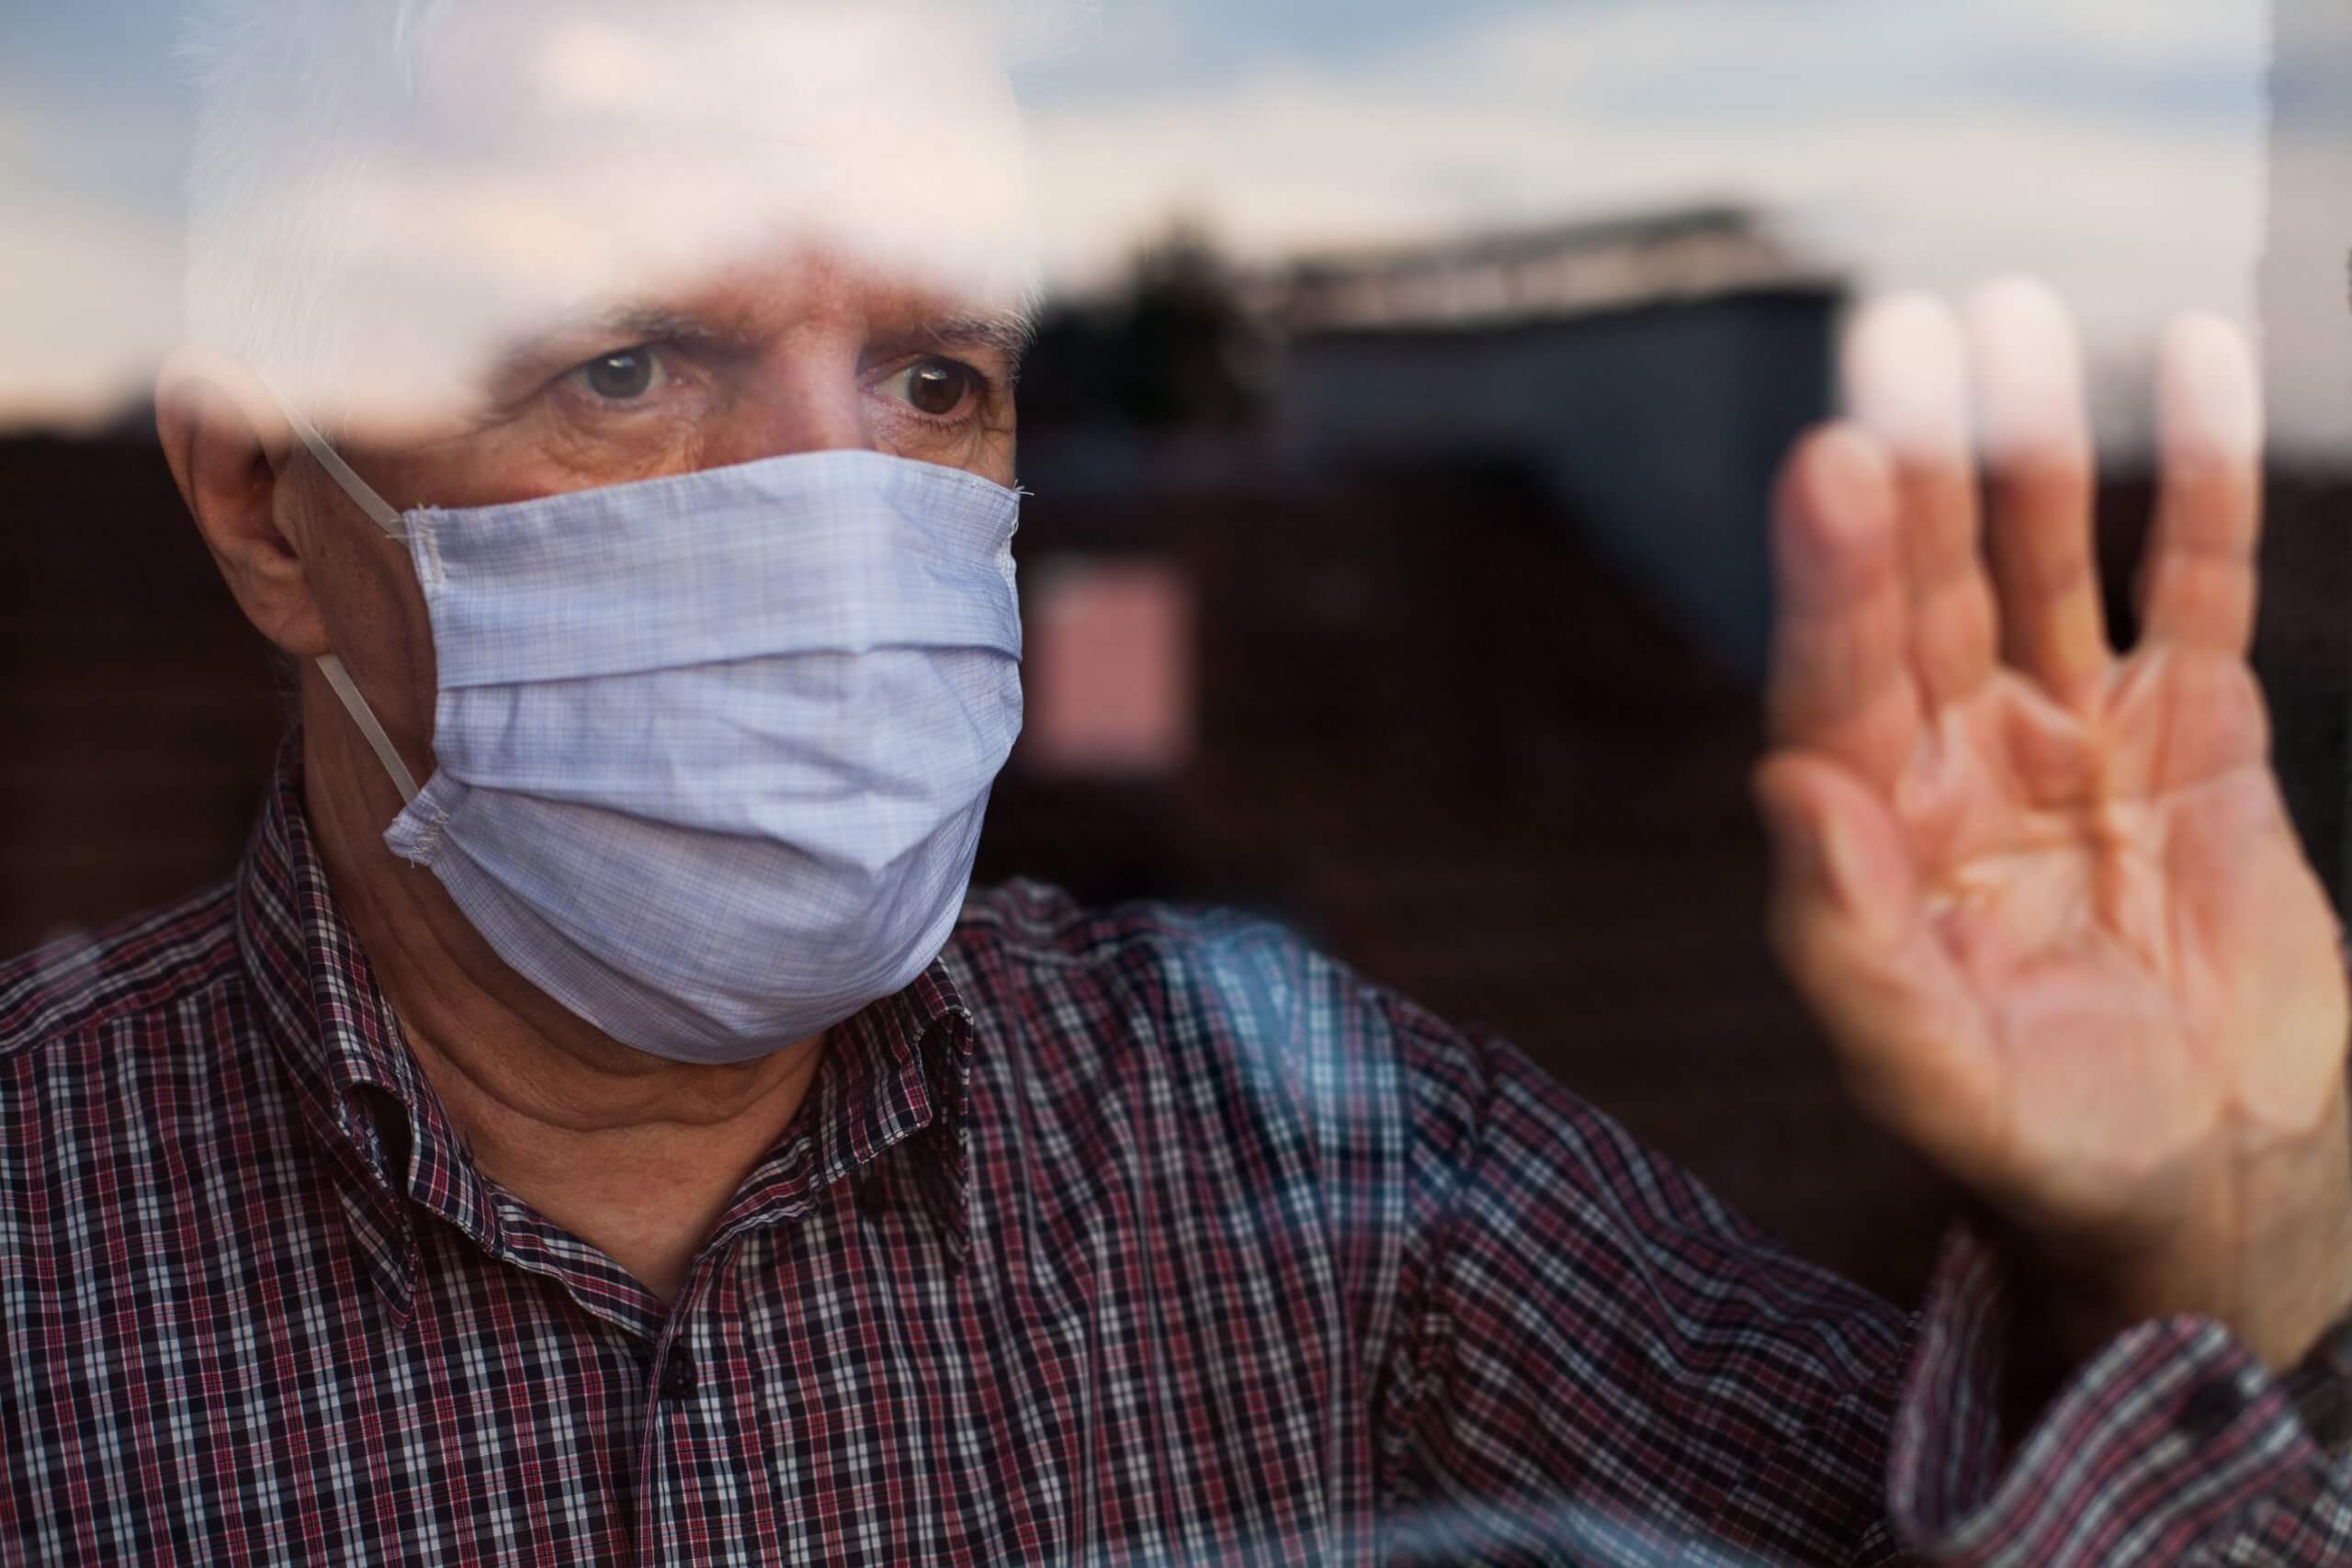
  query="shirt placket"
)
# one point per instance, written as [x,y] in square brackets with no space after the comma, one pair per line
[700,1440]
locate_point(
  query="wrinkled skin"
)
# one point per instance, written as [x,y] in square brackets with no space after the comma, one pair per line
[2046,900]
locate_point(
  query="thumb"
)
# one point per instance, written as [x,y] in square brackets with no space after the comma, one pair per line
[1842,871]
[1848,927]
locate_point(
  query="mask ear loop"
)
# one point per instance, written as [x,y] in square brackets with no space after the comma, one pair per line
[361,714]
[385,517]
[380,511]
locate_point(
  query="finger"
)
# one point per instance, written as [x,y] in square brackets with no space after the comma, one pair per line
[1906,379]
[2197,586]
[2037,437]
[1840,681]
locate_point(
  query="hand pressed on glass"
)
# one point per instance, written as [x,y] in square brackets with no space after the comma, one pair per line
[2046,900]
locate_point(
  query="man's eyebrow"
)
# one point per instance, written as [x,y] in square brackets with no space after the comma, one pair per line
[563,342]
[1010,332]
[647,323]
[560,343]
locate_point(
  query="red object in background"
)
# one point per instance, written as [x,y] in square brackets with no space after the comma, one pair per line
[1109,669]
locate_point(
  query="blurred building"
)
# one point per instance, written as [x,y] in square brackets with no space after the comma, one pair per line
[1646,372]
[140,709]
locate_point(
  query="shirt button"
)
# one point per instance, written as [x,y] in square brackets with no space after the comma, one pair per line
[677,1376]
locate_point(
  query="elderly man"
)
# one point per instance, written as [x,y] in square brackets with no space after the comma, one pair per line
[594,1123]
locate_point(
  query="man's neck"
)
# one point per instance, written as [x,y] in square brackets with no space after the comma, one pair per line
[636,1153]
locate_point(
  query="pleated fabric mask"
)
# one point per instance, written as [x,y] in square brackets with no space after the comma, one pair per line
[712,749]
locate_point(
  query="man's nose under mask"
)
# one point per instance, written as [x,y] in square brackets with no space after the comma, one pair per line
[712,750]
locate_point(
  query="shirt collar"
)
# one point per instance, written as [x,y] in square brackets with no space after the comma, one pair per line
[899,1071]
[899,1068]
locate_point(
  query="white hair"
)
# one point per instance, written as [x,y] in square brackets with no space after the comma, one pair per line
[381,192]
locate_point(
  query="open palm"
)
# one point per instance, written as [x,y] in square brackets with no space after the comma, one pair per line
[2046,900]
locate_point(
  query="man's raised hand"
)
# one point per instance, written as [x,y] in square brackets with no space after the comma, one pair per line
[2046,900]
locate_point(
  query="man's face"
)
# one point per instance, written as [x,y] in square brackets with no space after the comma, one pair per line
[800,351]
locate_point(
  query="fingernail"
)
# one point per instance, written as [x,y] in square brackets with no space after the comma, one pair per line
[1840,859]
[2029,368]
[2207,399]
[1906,375]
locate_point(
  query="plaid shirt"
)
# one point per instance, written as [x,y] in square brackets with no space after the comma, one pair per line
[1121,1237]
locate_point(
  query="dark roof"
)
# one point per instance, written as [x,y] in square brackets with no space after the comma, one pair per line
[1556,270]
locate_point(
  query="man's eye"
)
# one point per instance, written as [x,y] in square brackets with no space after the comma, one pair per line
[936,387]
[618,376]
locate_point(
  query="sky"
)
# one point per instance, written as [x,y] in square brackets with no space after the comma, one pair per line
[2113,146]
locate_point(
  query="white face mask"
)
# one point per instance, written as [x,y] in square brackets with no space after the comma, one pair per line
[712,749]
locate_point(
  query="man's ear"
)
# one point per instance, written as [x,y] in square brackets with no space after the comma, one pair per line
[226,450]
